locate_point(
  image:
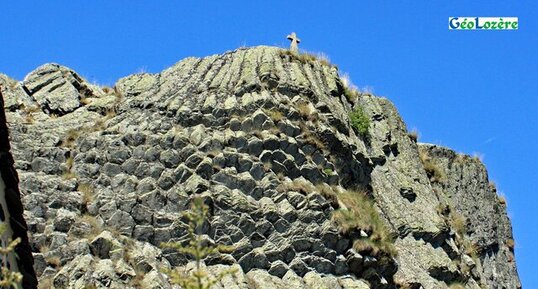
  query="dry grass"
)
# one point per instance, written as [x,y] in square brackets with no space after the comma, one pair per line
[471,249]
[46,283]
[413,135]
[54,261]
[351,91]
[29,118]
[510,243]
[434,173]
[44,249]
[312,139]
[304,109]
[298,185]
[458,223]
[85,100]
[274,115]
[359,213]
[71,137]
[100,124]
[69,174]
[95,227]
[307,57]
[87,191]
[329,193]
[108,90]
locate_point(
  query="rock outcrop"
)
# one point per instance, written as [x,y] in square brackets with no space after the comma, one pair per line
[264,136]
[11,213]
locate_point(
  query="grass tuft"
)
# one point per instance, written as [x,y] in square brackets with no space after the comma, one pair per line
[274,115]
[359,213]
[434,173]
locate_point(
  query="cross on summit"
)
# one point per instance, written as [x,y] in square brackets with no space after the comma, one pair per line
[294,46]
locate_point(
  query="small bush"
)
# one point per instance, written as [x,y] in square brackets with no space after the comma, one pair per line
[360,121]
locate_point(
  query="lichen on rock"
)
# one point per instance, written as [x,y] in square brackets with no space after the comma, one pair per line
[267,140]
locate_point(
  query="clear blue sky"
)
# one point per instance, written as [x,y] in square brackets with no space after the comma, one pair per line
[474,91]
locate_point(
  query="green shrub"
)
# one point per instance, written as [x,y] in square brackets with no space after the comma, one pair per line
[360,121]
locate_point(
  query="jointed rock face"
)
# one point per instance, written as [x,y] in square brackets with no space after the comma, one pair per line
[262,135]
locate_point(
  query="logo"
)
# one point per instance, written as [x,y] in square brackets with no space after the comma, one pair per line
[483,23]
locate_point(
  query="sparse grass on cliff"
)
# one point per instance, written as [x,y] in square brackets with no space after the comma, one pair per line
[274,115]
[351,91]
[413,135]
[510,243]
[358,214]
[435,174]
[68,173]
[305,57]
[360,121]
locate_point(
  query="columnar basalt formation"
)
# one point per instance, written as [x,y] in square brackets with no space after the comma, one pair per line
[264,136]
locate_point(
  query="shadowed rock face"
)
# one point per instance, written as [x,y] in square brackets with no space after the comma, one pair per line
[11,211]
[239,129]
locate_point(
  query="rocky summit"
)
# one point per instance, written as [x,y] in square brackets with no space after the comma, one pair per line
[312,184]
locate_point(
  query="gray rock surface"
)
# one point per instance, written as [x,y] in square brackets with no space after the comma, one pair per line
[264,137]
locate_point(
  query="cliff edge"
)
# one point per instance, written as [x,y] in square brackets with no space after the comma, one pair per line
[313,184]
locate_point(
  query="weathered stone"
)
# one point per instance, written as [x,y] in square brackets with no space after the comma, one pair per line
[103,244]
[211,127]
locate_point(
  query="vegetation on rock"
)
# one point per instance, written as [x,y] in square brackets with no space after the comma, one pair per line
[359,214]
[360,121]
[433,171]
[198,249]
[8,278]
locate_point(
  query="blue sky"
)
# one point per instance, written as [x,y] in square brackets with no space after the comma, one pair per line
[474,91]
